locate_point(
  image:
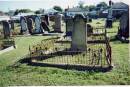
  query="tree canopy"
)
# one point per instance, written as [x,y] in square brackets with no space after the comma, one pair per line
[22,11]
[58,8]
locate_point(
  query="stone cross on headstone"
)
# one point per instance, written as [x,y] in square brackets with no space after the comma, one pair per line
[30,25]
[38,25]
[79,34]
[6,29]
[69,25]
[58,20]
[24,27]
[109,18]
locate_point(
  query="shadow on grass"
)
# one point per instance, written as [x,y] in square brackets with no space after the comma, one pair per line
[63,66]
[117,40]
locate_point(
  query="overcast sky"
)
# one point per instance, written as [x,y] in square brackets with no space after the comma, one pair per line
[6,5]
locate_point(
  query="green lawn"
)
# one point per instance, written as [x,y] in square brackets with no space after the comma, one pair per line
[24,74]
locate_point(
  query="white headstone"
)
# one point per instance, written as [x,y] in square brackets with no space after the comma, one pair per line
[24,27]
[38,25]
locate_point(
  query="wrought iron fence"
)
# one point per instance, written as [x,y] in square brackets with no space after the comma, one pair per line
[53,52]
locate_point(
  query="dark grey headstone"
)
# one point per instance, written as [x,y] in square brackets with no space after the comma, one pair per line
[69,26]
[6,29]
[58,20]
[30,25]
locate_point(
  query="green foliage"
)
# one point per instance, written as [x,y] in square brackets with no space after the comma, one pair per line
[58,8]
[102,5]
[37,12]
[22,11]
[92,7]
[81,4]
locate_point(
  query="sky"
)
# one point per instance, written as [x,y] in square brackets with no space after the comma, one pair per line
[6,5]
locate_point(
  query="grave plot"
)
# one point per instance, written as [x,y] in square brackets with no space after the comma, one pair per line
[55,52]
[83,50]
[7,42]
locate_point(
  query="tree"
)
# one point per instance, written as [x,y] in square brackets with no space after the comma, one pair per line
[81,4]
[22,11]
[86,7]
[58,8]
[102,5]
[16,12]
[37,12]
[1,13]
[92,7]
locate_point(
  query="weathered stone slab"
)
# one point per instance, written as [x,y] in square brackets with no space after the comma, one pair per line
[24,27]
[58,20]
[79,34]
[30,25]
[6,29]
[69,26]
[38,25]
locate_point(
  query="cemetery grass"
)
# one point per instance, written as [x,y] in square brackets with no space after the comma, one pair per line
[24,74]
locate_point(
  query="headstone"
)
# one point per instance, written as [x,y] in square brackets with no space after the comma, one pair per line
[44,26]
[38,25]
[24,27]
[124,25]
[30,25]
[79,34]
[89,29]
[58,20]
[6,29]
[69,26]
[47,19]
[12,24]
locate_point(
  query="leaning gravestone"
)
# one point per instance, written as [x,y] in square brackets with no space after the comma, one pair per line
[38,25]
[6,29]
[58,20]
[79,34]
[23,23]
[69,26]
[30,25]
[47,19]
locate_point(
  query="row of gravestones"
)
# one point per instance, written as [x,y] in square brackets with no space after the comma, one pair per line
[79,32]
[41,24]
[27,22]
